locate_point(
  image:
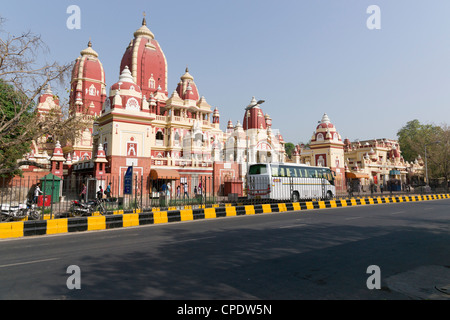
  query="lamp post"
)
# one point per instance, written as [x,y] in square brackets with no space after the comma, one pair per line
[246,135]
[426,162]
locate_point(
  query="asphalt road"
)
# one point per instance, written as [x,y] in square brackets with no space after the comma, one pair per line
[318,254]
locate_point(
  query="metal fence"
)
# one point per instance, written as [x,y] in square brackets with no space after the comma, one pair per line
[56,195]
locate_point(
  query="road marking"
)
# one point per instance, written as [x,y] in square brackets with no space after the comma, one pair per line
[398,212]
[293,226]
[119,236]
[196,239]
[29,262]
[353,218]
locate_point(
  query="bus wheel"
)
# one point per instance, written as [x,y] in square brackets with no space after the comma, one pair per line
[295,197]
[329,195]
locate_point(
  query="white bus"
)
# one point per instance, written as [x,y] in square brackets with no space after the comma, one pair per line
[286,181]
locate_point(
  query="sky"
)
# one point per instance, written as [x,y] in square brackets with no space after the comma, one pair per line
[304,58]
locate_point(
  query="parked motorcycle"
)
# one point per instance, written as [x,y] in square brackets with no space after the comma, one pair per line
[78,209]
[21,211]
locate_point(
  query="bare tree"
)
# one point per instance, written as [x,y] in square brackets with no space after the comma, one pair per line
[27,78]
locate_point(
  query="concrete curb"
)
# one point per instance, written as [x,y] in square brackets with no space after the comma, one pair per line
[121,219]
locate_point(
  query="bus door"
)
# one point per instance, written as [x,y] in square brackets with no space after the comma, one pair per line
[292,176]
[314,185]
[323,177]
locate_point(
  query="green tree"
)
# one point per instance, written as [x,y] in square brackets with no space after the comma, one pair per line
[289,147]
[414,136]
[438,155]
[14,138]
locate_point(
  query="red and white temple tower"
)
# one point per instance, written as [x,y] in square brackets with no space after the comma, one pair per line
[87,96]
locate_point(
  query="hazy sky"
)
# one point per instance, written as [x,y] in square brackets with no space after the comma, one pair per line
[304,58]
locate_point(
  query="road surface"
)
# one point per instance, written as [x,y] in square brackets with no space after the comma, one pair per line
[317,254]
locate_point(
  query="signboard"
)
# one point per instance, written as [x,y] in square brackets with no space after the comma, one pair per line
[132,162]
[128,181]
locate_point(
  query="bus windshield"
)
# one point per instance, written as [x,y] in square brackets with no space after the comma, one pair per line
[258,169]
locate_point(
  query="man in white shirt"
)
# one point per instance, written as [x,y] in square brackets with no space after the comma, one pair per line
[186,194]
[37,192]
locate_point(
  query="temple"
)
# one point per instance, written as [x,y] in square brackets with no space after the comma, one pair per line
[174,134]
[164,135]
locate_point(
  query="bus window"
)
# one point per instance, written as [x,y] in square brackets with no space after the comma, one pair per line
[304,173]
[275,171]
[287,171]
[282,172]
[258,169]
[299,172]
[293,172]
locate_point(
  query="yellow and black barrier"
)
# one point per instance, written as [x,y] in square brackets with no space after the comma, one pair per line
[121,219]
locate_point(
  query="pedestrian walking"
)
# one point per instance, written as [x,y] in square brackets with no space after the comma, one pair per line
[108,192]
[186,193]
[169,191]
[37,192]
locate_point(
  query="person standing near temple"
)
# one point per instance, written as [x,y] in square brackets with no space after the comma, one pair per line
[83,192]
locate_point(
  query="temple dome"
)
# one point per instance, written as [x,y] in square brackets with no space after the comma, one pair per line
[144,31]
[89,51]
[254,117]
[326,132]
[88,87]
[146,61]
[186,88]
[126,82]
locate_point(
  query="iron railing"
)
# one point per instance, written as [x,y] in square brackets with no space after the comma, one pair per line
[163,194]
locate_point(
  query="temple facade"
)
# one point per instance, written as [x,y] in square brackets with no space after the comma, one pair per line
[137,122]
[359,164]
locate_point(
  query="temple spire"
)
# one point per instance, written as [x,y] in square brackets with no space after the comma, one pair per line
[144,30]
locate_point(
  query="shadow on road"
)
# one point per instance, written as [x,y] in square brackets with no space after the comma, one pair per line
[307,262]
